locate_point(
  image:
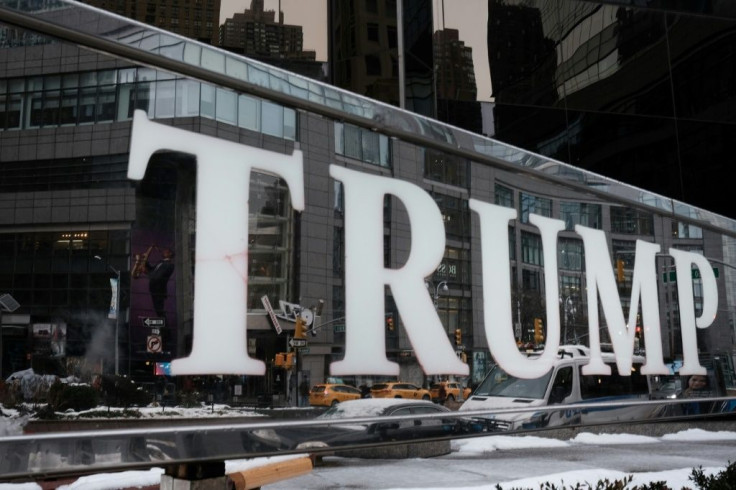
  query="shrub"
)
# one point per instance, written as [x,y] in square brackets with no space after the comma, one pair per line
[8,395]
[725,480]
[118,391]
[62,397]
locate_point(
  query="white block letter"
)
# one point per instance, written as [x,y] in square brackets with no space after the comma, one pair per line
[601,282]
[683,264]
[494,225]
[219,343]
[366,278]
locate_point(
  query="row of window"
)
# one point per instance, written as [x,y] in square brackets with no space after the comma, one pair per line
[623,220]
[362,144]
[113,95]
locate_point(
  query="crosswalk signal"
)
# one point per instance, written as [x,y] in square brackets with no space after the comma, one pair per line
[538,333]
[458,336]
[300,328]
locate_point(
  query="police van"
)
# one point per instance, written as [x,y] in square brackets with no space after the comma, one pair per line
[563,384]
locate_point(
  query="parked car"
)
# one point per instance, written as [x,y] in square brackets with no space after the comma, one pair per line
[395,430]
[373,430]
[666,387]
[332,394]
[451,391]
[398,389]
[467,391]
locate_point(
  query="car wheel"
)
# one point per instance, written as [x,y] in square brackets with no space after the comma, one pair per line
[425,397]
[450,398]
[334,402]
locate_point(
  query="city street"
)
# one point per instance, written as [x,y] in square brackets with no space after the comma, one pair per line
[481,463]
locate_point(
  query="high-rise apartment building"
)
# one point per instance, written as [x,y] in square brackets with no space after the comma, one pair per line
[196,19]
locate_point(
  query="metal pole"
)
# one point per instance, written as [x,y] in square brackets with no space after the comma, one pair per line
[117,325]
[400,52]
[117,314]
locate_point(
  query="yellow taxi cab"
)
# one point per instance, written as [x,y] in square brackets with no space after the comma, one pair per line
[327,394]
[451,391]
[398,389]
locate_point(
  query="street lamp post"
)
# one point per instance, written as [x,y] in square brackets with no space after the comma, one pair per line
[568,309]
[117,314]
[436,296]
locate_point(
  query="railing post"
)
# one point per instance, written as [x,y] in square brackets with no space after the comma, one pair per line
[195,476]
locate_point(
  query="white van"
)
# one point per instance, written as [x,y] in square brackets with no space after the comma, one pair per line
[563,384]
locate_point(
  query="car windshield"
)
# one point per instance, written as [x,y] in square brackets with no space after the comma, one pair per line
[500,383]
[318,388]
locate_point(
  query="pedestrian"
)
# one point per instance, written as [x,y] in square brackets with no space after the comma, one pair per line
[158,280]
[697,386]
[304,393]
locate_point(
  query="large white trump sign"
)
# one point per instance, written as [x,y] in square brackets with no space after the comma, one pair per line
[221,269]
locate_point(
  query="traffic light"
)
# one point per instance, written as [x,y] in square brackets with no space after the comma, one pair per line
[390,323]
[620,270]
[538,333]
[638,331]
[279,360]
[300,328]
[458,336]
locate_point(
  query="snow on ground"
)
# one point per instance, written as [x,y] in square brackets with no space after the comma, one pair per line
[152,411]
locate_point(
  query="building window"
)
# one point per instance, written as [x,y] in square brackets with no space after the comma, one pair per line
[455,215]
[531,249]
[362,144]
[372,65]
[372,31]
[448,169]
[114,95]
[338,205]
[686,230]
[530,280]
[570,254]
[576,213]
[338,255]
[454,268]
[512,243]
[571,286]
[624,250]
[269,239]
[529,204]
[504,196]
[631,221]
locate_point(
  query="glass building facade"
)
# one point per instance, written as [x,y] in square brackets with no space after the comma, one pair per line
[71,220]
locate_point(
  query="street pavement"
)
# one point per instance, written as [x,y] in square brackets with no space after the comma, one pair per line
[462,469]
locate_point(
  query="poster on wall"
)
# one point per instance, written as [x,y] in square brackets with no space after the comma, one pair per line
[153,294]
[49,339]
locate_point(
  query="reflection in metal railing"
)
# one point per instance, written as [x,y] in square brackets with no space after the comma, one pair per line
[124,38]
[66,453]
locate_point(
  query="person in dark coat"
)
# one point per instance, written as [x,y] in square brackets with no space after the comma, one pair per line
[158,280]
